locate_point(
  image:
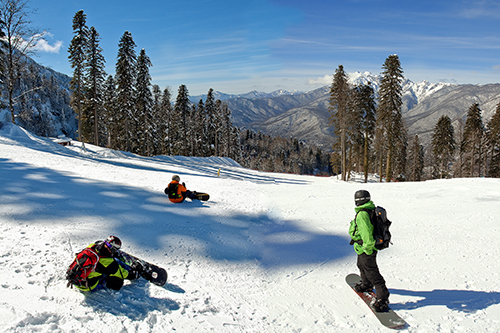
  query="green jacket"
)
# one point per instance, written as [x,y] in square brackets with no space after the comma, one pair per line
[107,266]
[363,231]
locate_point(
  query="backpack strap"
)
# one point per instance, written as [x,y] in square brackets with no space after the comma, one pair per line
[172,191]
[370,215]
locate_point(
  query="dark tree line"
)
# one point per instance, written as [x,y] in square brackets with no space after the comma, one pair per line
[127,112]
[473,152]
[276,154]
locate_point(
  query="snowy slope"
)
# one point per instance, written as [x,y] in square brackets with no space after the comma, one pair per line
[267,253]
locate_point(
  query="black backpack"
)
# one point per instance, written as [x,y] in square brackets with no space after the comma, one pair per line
[171,190]
[381,224]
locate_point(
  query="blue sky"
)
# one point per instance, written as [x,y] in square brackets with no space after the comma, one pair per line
[237,46]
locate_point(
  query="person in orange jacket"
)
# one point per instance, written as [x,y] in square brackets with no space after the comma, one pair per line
[178,192]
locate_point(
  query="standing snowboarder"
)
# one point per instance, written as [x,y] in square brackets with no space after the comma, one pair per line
[178,192]
[361,232]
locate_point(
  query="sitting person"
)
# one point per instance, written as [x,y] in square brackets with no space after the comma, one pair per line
[177,192]
[108,271]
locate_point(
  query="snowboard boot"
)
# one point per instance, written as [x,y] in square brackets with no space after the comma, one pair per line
[380,305]
[361,288]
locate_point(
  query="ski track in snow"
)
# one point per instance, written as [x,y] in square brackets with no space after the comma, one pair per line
[268,252]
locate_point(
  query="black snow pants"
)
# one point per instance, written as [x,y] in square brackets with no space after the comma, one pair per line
[370,275]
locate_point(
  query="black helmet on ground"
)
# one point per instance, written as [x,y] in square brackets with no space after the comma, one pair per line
[361,197]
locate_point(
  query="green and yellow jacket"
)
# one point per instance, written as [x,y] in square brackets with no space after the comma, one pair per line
[106,266]
[361,230]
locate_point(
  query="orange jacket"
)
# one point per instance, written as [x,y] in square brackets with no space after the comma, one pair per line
[181,192]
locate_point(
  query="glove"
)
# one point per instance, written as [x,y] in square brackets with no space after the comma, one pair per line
[352,242]
[184,184]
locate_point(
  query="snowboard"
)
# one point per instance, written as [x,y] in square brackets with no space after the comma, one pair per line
[388,318]
[202,196]
[154,274]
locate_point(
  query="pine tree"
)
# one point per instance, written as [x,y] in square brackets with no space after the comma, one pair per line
[235,153]
[364,124]
[391,130]
[180,135]
[339,103]
[158,121]
[443,147]
[166,122]
[110,112]
[494,143]
[473,140]
[226,130]
[458,168]
[94,81]
[125,78]
[210,109]
[144,103]
[199,131]
[218,128]
[77,55]
[416,160]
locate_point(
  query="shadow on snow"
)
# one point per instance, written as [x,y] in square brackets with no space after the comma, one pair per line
[458,300]
[40,195]
[132,301]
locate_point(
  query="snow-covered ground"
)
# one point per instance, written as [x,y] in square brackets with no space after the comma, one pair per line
[268,252]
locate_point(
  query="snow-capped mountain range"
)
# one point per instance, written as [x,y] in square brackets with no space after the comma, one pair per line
[306,116]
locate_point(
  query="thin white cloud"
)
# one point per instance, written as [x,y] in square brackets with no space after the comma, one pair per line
[43,46]
[327,79]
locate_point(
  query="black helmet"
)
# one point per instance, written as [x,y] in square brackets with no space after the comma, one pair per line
[361,197]
[113,243]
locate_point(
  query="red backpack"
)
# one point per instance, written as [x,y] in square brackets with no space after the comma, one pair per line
[84,264]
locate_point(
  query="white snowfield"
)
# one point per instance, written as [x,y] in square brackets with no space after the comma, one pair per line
[268,252]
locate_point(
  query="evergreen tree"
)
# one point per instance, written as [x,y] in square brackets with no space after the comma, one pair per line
[158,121]
[443,147]
[77,56]
[339,103]
[236,153]
[226,136]
[391,130]
[364,124]
[218,128]
[94,81]
[166,122]
[146,129]
[180,135]
[494,143]
[110,112]
[199,131]
[473,140]
[125,78]
[458,168]
[416,160]
[211,112]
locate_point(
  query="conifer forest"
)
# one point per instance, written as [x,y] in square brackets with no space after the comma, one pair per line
[125,111]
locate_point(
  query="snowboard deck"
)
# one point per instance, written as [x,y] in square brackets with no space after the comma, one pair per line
[151,272]
[388,318]
[202,196]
